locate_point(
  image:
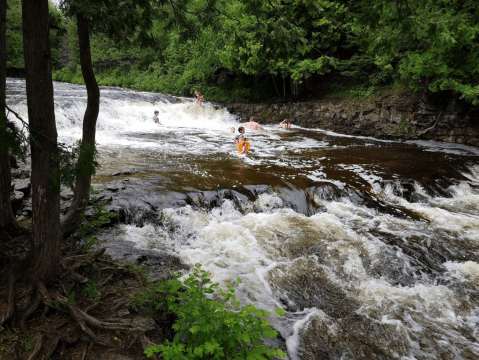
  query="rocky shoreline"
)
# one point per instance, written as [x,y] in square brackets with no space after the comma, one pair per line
[389,116]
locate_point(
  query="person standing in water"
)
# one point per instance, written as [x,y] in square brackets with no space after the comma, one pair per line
[198,97]
[155,118]
[241,131]
[285,124]
[240,140]
[253,125]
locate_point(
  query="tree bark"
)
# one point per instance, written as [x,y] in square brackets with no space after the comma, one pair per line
[72,219]
[7,218]
[46,235]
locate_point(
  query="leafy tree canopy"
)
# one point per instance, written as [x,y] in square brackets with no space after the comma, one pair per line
[180,45]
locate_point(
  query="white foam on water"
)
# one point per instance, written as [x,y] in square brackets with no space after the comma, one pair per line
[451,148]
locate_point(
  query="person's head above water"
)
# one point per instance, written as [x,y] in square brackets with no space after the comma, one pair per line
[232,129]
[156,112]
[241,129]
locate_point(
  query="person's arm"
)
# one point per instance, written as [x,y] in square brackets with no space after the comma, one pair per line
[244,149]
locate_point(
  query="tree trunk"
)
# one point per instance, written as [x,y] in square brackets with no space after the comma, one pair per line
[6,214]
[46,235]
[72,219]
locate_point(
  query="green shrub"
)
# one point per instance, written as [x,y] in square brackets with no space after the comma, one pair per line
[205,329]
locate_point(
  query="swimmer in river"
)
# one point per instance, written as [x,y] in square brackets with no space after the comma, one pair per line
[253,125]
[155,118]
[241,131]
[198,97]
[285,124]
[243,146]
[240,140]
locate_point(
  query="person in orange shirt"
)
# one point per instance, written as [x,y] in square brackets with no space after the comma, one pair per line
[240,140]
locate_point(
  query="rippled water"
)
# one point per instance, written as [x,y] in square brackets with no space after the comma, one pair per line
[372,247]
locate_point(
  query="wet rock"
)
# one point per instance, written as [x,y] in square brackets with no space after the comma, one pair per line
[295,199]
[239,199]
[16,200]
[327,192]
[13,162]
[22,185]
[26,207]
[65,193]
[316,290]
[353,336]
[122,172]
[22,173]
[65,206]
[257,190]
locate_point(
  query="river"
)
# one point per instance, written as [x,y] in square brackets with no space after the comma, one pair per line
[371,247]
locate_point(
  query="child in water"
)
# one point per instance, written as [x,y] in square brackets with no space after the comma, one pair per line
[198,97]
[240,140]
[241,131]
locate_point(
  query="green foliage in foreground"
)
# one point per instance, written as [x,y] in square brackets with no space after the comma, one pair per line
[205,329]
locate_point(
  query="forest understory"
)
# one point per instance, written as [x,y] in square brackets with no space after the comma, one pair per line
[85,314]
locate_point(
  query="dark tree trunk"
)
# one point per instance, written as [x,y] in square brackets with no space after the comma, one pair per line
[72,219]
[7,219]
[46,235]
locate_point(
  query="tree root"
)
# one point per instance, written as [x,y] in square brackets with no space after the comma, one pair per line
[51,348]
[104,282]
[430,128]
[83,357]
[116,265]
[74,262]
[13,352]
[77,277]
[70,323]
[37,348]
[23,321]
[119,303]
[145,342]
[83,320]
[10,299]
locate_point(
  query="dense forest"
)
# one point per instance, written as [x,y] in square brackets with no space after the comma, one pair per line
[242,50]
[255,49]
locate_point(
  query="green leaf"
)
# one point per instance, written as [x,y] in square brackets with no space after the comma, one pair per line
[280,311]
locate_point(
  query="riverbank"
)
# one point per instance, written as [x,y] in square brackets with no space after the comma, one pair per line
[392,115]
